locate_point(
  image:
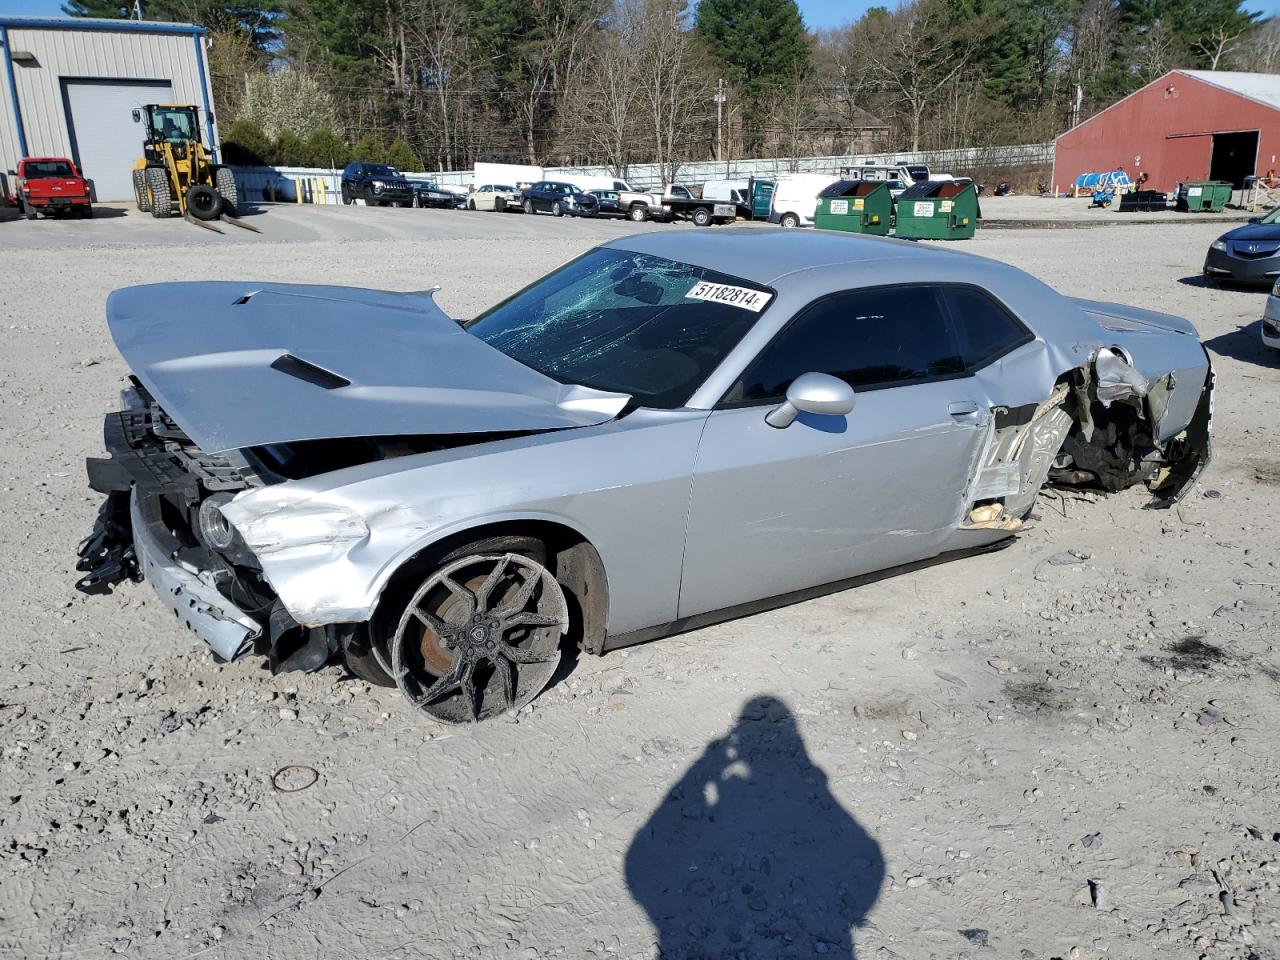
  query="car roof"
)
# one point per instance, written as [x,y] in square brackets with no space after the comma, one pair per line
[767,255]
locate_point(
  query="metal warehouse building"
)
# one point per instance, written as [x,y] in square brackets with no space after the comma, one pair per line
[1188,125]
[68,87]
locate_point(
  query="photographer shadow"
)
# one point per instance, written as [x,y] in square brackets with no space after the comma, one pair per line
[750,856]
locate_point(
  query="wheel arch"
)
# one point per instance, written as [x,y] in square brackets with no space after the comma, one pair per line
[570,555]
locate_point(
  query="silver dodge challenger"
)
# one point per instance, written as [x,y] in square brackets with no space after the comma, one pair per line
[670,430]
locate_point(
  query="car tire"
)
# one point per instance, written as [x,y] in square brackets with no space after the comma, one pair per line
[556,210]
[87,211]
[480,634]
[499,205]
[347,198]
[26,210]
[225,183]
[789,221]
[528,206]
[159,196]
[702,217]
[638,213]
[471,204]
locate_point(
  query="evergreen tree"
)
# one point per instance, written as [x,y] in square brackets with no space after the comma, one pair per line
[402,156]
[245,144]
[326,149]
[259,21]
[368,149]
[290,150]
[760,44]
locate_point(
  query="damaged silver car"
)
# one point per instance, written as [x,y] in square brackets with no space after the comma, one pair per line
[668,431]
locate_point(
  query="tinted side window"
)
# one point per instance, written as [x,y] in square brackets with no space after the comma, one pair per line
[868,338]
[984,328]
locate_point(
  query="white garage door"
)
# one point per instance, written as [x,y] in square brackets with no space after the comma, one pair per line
[104,137]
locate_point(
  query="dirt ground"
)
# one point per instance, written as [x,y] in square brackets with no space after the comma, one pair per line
[1065,749]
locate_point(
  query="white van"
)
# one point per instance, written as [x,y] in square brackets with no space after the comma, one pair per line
[727,191]
[795,198]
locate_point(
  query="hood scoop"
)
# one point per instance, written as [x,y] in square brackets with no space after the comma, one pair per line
[309,372]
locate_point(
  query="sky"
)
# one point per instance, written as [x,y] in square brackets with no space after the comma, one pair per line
[818,14]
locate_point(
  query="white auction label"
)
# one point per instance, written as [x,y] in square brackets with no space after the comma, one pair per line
[744,297]
[840,206]
[923,208]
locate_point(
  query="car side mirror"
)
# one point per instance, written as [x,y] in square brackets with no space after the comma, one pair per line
[818,393]
[137,116]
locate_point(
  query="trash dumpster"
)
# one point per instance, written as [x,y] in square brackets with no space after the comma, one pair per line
[937,210]
[1143,200]
[1204,196]
[857,206]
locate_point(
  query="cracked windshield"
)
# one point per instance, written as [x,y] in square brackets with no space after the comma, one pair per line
[627,323]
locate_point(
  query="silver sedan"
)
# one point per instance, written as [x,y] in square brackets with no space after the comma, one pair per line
[668,431]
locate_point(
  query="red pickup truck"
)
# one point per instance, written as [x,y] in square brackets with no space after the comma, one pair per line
[49,185]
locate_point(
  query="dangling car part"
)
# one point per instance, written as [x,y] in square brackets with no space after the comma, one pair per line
[665,432]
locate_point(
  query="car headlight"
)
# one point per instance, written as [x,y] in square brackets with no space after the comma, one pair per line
[1218,245]
[296,529]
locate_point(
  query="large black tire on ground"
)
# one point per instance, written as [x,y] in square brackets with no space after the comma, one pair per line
[702,216]
[203,202]
[140,191]
[639,213]
[225,182]
[160,196]
[347,199]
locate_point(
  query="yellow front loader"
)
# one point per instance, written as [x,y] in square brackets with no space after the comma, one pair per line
[176,172]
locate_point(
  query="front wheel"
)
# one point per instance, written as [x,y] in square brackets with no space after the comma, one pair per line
[702,217]
[789,221]
[639,213]
[480,637]
[528,206]
[347,198]
[556,211]
[140,191]
[159,195]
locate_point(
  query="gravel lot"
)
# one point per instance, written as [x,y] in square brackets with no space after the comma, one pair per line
[1064,749]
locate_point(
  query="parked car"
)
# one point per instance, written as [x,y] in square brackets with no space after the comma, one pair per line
[426,193]
[49,185]
[559,199]
[608,203]
[1247,254]
[1271,319]
[376,184]
[495,196]
[670,430]
[795,198]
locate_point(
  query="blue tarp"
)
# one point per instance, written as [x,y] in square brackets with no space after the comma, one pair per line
[1114,180]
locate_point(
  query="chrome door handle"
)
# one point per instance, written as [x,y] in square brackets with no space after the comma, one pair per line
[963,408]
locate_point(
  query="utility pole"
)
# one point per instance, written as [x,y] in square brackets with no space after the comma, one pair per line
[720,99]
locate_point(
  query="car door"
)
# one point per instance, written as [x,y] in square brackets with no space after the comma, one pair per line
[831,497]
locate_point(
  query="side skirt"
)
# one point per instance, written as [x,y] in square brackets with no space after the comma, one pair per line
[700,620]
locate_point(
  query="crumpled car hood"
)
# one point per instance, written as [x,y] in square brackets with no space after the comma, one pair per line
[241,365]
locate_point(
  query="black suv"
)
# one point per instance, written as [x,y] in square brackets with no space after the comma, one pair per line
[376,184]
[560,199]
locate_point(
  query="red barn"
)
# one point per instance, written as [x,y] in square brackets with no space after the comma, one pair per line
[1188,125]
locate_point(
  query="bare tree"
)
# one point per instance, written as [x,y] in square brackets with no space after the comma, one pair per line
[674,83]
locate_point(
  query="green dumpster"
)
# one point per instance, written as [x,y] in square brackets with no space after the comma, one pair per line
[857,206]
[1204,196]
[937,210]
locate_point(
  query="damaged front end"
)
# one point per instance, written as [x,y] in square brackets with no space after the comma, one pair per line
[161,521]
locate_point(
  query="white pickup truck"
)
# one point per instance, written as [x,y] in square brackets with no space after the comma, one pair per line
[638,206]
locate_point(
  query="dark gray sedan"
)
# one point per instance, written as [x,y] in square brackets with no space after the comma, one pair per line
[1248,254]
